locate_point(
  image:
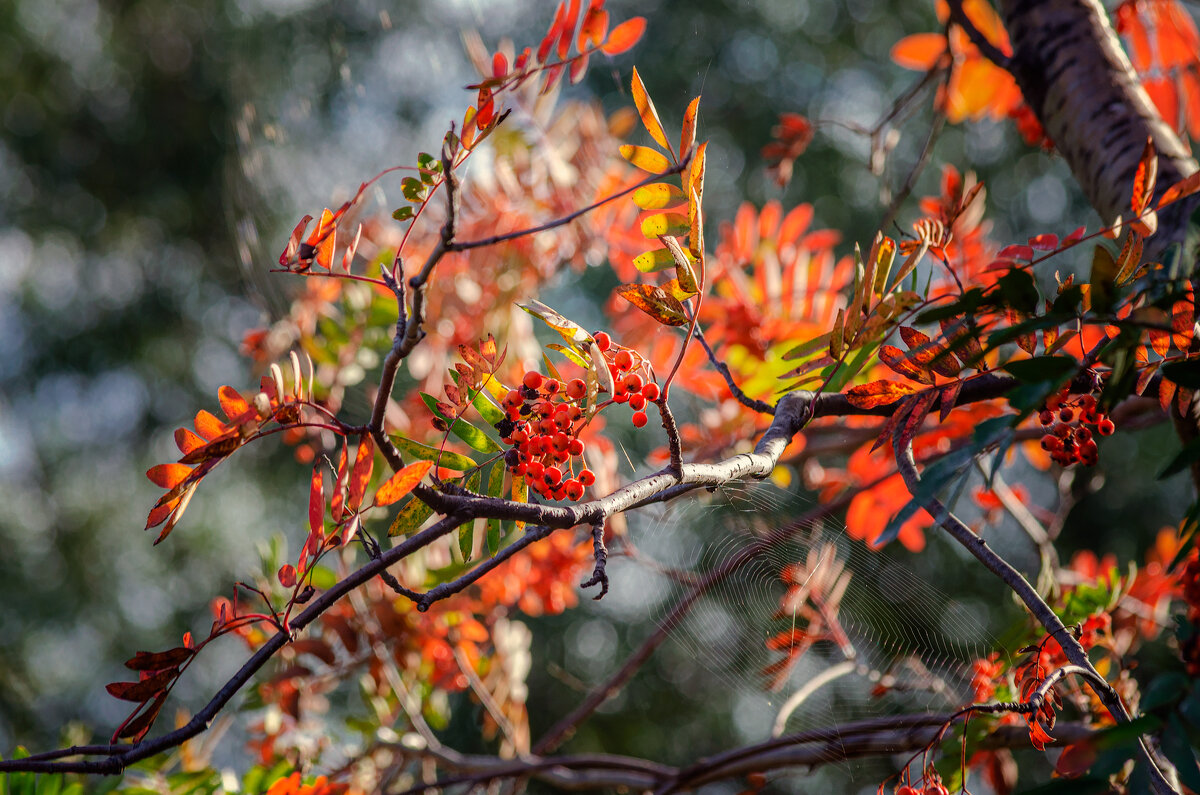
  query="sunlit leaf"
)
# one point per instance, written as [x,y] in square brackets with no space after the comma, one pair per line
[660,259]
[168,476]
[316,502]
[624,36]
[878,393]
[687,137]
[655,302]
[657,196]
[675,224]
[410,518]
[645,158]
[1182,189]
[475,438]
[364,462]
[1144,179]
[646,109]
[401,483]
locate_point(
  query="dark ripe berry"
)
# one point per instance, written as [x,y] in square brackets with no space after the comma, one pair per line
[535,470]
[532,380]
[1046,417]
[650,391]
[1065,414]
[512,458]
[576,389]
[505,427]
[573,489]
[1105,427]
[637,402]
[624,360]
[1082,434]
[575,447]
[603,341]
[525,410]
[639,419]
[1050,442]
[550,386]
[529,393]
[440,424]
[633,382]
[1088,402]
[587,477]
[552,475]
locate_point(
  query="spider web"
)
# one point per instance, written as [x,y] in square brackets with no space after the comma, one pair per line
[907,646]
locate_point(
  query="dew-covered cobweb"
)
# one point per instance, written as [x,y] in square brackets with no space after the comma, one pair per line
[907,645]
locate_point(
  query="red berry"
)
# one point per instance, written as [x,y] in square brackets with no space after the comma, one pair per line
[550,386]
[1050,442]
[1066,415]
[587,477]
[576,389]
[650,391]
[573,489]
[513,398]
[1046,417]
[603,341]
[633,382]
[520,469]
[535,470]
[639,419]
[560,441]
[532,379]
[1062,431]
[624,360]
[552,475]
[1105,427]
[1083,434]
[562,419]
[1088,402]
[575,447]
[637,402]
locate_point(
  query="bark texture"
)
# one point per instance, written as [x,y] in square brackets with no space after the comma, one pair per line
[1074,74]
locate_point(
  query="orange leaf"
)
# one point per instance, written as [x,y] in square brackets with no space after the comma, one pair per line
[655,302]
[624,36]
[339,487]
[208,426]
[232,403]
[187,441]
[646,109]
[168,476]
[316,502]
[878,393]
[1185,187]
[401,483]
[687,137]
[1144,178]
[894,358]
[364,462]
[919,51]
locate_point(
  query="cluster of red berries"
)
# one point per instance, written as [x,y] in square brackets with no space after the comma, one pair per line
[1069,439]
[543,417]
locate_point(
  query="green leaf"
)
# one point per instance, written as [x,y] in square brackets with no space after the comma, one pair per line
[495,489]
[475,438]
[1104,274]
[1019,291]
[444,458]
[1042,368]
[466,530]
[404,213]
[410,518]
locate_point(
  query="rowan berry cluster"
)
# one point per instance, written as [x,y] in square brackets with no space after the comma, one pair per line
[1071,424]
[543,418]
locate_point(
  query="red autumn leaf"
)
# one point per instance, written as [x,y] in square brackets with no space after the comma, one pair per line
[287,575]
[168,476]
[159,660]
[135,728]
[624,36]
[232,403]
[316,502]
[293,244]
[364,462]
[145,689]
[1144,179]
[894,358]
[1046,241]
[208,426]
[878,393]
[919,51]
[655,302]
[1185,187]
[187,441]
[401,483]
[337,501]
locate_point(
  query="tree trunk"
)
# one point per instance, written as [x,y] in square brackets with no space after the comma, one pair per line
[1075,76]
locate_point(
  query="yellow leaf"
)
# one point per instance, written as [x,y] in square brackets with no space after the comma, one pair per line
[657,196]
[661,224]
[646,158]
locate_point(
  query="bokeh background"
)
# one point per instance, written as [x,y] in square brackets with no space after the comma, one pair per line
[153,158]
